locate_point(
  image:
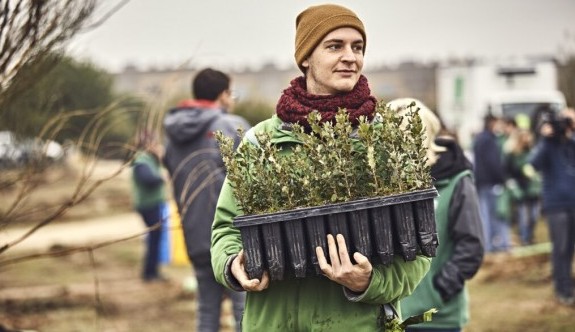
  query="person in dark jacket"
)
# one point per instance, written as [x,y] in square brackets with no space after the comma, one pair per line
[554,158]
[149,198]
[490,180]
[460,234]
[197,172]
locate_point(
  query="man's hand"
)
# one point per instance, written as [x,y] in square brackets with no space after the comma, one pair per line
[355,277]
[239,272]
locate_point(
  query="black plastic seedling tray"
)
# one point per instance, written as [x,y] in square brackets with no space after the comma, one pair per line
[284,243]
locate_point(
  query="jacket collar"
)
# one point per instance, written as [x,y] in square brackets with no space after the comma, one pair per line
[199,103]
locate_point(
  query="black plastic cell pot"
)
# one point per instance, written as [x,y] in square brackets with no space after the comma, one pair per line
[284,243]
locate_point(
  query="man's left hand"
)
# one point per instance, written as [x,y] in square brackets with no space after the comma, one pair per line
[355,277]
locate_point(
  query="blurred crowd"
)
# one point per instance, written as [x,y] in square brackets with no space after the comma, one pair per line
[524,170]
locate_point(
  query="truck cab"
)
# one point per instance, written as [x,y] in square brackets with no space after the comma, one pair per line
[523,105]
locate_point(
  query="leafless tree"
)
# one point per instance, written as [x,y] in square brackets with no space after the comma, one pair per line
[31,31]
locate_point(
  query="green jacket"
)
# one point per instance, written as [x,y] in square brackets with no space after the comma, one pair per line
[148,190]
[312,303]
[454,312]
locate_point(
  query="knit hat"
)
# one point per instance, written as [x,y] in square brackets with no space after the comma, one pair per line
[314,23]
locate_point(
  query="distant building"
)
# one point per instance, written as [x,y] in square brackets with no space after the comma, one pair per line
[266,84]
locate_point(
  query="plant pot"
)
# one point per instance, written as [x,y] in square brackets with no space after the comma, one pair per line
[284,243]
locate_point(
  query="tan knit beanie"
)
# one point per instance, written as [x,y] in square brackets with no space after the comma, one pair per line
[314,23]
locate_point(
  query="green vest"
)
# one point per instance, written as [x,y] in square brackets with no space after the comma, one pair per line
[454,313]
[144,196]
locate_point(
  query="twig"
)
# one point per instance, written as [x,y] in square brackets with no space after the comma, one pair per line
[73,250]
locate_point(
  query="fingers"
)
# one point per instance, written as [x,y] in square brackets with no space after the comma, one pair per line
[238,269]
[333,253]
[342,249]
[239,272]
[323,265]
[338,256]
[341,270]
[362,262]
[241,256]
[256,285]
[265,282]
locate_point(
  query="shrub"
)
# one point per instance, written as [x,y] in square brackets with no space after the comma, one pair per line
[335,162]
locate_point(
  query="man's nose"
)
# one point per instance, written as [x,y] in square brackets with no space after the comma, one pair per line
[348,54]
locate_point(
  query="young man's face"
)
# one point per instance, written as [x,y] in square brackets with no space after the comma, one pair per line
[226,100]
[335,64]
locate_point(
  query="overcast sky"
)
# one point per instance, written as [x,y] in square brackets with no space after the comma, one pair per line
[236,33]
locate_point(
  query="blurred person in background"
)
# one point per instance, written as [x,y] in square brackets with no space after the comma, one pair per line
[352,294]
[505,207]
[554,157]
[149,199]
[523,183]
[197,172]
[460,234]
[490,180]
[508,129]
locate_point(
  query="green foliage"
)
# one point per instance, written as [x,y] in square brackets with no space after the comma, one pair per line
[72,101]
[395,325]
[336,162]
[69,86]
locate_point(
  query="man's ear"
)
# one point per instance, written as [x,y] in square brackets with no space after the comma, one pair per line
[305,63]
[222,96]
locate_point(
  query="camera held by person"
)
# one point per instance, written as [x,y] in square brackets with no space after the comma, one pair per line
[557,125]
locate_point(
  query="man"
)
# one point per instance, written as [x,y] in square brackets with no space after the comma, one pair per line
[197,172]
[459,229]
[489,180]
[554,158]
[329,49]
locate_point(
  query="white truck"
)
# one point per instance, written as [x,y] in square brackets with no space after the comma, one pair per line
[467,93]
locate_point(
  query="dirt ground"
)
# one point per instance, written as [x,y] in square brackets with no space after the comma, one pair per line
[99,289]
[83,274]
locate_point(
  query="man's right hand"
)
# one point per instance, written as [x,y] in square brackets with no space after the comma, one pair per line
[239,271]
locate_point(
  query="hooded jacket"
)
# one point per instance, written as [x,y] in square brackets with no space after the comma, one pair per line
[196,168]
[312,303]
[460,251]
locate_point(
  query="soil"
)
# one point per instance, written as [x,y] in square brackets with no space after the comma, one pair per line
[97,290]
[101,290]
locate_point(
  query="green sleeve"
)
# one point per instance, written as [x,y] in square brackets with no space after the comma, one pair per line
[226,239]
[391,283]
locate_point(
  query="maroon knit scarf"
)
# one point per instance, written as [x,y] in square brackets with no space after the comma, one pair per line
[296,103]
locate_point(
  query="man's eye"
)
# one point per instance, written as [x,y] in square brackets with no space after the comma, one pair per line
[358,48]
[334,47]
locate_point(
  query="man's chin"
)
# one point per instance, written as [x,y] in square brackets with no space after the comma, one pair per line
[346,86]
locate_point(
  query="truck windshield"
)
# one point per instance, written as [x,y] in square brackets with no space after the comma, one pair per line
[511,110]
[528,115]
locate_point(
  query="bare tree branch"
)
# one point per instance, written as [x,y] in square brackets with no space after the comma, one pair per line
[30,30]
[73,250]
[106,16]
